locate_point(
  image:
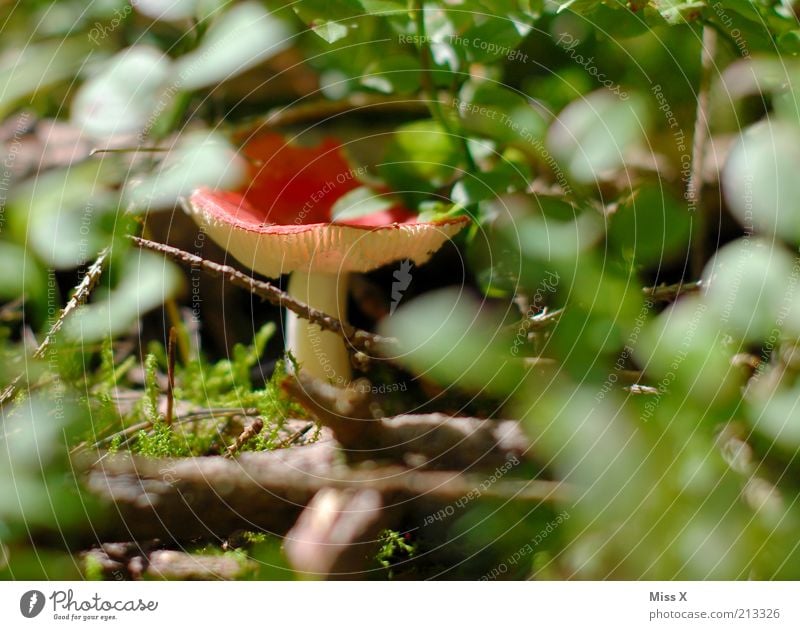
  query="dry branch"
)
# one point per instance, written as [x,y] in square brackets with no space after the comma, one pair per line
[81,295]
[359,339]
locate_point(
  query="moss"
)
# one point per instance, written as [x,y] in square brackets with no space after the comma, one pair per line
[395,548]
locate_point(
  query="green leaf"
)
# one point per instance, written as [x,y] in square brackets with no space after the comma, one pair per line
[748,282]
[126,95]
[21,275]
[332,20]
[147,280]
[591,136]
[760,179]
[199,159]
[444,335]
[30,69]
[678,11]
[495,111]
[243,37]
[62,215]
[652,228]
[421,156]
[398,74]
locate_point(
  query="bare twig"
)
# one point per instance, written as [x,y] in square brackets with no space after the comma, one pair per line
[192,416]
[81,295]
[668,292]
[248,434]
[323,109]
[359,339]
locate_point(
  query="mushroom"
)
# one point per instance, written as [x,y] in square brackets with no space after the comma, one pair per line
[282,223]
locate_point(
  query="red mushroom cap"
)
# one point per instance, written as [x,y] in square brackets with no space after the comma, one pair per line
[283,221]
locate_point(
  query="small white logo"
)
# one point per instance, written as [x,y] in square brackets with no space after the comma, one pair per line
[402,278]
[31,604]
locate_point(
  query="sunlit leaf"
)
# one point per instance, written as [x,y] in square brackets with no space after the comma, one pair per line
[243,37]
[592,135]
[199,159]
[760,182]
[126,95]
[443,335]
[747,284]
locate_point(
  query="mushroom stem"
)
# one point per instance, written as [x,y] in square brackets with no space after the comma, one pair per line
[320,353]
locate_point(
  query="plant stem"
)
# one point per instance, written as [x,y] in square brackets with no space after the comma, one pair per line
[700,137]
[428,87]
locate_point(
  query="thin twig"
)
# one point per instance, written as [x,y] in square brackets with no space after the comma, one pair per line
[669,292]
[192,416]
[79,298]
[323,109]
[296,436]
[94,152]
[359,339]
[245,436]
[699,140]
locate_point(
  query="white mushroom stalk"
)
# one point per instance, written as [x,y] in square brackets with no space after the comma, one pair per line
[321,353]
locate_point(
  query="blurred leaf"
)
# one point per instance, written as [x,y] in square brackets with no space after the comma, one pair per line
[243,37]
[21,275]
[61,213]
[30,69]
[126,95]
[497,112]
[399,74]
[176,10]
[760,182]
[592,135]
[199,159]
[445,336]
[685,349]
[330,19]
[652,228]
[421,156]
[747,284]
[147,280]
[360,202]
